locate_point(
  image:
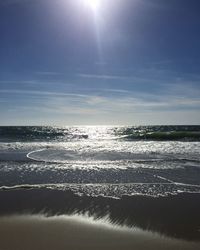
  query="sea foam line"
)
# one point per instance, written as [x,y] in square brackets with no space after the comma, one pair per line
[68,185]
[35,151]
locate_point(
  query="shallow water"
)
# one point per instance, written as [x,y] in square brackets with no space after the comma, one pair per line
[141,177]
[108,161]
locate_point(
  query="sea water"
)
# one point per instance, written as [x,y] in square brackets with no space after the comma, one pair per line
[109,161]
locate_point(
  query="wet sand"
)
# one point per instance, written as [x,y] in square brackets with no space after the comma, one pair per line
[173,216]
[43,218]
[74,233]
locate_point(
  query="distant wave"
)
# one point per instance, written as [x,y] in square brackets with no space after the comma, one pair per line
[44,133]
[165,136]
[38,133]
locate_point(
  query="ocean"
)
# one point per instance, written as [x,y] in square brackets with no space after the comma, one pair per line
[139,176]
[106,161]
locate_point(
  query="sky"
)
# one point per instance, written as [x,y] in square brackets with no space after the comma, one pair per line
[99,62]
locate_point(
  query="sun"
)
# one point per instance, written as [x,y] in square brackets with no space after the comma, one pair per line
[94,4]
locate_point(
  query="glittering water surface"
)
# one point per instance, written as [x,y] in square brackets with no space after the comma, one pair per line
[102,161]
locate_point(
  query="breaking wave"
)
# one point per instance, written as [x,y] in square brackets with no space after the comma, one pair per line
[42,133]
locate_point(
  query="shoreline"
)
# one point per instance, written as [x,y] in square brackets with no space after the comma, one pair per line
[175,216]
[76,233]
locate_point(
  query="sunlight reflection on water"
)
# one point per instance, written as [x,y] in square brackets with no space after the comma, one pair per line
[76,232]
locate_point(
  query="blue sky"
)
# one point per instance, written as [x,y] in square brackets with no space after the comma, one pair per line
[131,62]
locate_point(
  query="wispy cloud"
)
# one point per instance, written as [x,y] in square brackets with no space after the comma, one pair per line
[37,92]
[107,77]
[150,75]
[104,109]
[128,102]
[161,63]
[118,91]
[101,104]
[101,63]
[47,73]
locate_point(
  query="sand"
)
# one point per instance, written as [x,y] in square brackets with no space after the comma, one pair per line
[37,232]
[41,218]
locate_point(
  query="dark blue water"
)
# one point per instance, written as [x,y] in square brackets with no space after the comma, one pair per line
[162,133]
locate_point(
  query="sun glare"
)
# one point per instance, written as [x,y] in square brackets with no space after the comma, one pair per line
[94,4]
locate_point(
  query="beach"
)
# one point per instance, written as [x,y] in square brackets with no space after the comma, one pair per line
[39,232]
[99,125]
[44,219]
[79,188]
